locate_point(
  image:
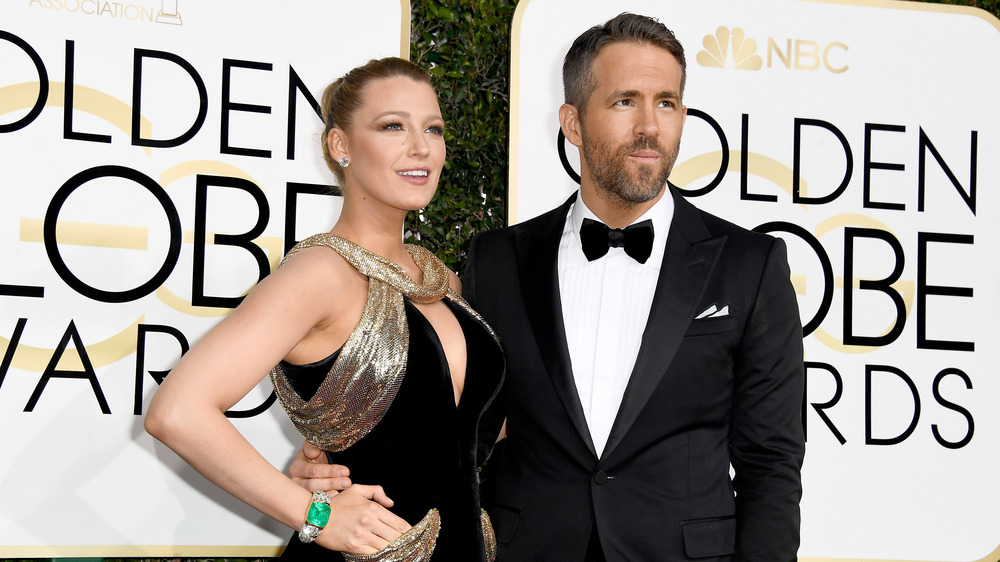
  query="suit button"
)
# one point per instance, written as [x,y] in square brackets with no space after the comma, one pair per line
[601,478]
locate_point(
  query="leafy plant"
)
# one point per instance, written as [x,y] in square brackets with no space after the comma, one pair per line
[465,44]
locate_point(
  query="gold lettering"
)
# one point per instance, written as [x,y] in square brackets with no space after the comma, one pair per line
[826,57]
[786,57]
[806,49]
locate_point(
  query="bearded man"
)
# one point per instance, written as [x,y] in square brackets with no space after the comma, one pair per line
[650,346]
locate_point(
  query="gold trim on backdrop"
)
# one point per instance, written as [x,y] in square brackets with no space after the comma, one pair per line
[132,551]
[515,103]
[991,557]
[919,6]
[265,551]
[405,11]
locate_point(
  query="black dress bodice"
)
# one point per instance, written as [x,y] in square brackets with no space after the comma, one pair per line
[423,450]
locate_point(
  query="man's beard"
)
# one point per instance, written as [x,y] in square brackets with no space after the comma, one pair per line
[609,170]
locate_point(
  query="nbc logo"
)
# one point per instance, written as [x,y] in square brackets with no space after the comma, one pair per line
[745,55]
[798,54]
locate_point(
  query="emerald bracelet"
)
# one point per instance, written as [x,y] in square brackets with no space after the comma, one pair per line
[317,517]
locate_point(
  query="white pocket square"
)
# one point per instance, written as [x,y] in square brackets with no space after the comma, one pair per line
[713,312]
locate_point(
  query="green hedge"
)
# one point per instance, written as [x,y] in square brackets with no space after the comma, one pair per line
[466,46]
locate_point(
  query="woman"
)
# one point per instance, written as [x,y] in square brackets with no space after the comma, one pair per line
[373,346]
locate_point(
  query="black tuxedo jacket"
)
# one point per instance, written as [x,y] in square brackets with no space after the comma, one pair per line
[703,394]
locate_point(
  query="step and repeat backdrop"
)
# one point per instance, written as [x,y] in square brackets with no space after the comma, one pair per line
[158,157]
[865,134]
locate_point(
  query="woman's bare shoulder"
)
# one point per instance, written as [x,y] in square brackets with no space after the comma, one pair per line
[317,263]
[316,279]
[325,291]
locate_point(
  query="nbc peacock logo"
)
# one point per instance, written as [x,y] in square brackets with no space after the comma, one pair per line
[718,47]
[792,54]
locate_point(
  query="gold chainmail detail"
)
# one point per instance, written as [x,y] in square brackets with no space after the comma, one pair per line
[367,374]
[415,545]
[489,537]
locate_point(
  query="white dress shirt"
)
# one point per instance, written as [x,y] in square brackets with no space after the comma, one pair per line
[605,306]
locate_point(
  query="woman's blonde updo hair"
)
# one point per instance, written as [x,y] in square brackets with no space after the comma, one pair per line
[342,99]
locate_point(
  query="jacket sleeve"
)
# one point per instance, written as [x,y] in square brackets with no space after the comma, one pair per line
[493,418]
[768,441]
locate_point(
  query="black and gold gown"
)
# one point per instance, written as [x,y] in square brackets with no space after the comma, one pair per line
[384,406]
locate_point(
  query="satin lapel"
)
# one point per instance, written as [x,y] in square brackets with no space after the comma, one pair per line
[538,251]
[688,262]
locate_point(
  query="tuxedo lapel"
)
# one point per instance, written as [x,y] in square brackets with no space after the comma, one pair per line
[538,249]
[688,261]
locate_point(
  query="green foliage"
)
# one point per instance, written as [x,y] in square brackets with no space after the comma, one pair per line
[465,44]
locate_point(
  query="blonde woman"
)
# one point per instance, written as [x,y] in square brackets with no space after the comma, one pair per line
[372,352]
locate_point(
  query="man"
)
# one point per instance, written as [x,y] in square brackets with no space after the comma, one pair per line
[639,369]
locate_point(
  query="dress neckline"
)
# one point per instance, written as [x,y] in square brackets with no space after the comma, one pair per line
[435,274]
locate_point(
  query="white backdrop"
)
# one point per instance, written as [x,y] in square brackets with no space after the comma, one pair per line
[919,81]
[887,111]
[177,131]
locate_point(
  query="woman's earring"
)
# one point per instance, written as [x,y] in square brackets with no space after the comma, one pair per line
[344,162]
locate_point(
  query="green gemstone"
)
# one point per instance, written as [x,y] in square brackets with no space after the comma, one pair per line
[319,514]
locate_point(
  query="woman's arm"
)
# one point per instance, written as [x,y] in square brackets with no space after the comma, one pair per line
[295,313]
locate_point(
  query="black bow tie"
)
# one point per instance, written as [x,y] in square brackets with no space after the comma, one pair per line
[597,237]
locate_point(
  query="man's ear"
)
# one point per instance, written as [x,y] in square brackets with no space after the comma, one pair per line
[336,142]
[569,121]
